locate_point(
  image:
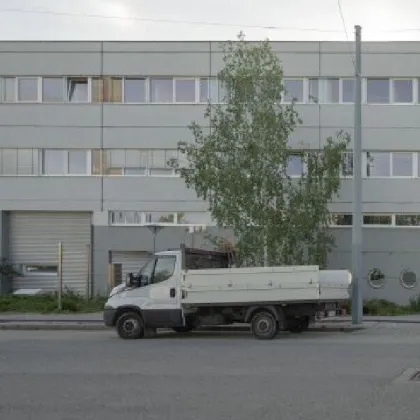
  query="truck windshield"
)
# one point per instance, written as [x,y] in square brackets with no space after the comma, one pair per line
[147,269]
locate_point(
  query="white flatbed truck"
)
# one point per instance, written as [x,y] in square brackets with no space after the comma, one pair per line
[187,288]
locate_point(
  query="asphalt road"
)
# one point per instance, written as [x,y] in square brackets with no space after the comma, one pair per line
[54,375]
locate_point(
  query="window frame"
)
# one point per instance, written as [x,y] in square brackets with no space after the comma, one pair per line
[89,90]
[305,91]
[191,78]
[365,90]
[365,165]
[146,90]
[335,226]
[341,90]
[378,225]
[66,162]
[26,273]
[64,86]
[35,158]
[38,81]
[413,166]
[151,78]
[392,90]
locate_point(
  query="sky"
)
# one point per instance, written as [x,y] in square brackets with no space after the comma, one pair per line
[208,20]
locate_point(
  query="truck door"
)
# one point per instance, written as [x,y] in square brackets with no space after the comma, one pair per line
[164,306]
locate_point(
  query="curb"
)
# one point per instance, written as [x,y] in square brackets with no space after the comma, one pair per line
[387,321]
[51,327]
[33,326]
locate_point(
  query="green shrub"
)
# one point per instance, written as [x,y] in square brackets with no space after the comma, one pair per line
[382,307]
[47,303]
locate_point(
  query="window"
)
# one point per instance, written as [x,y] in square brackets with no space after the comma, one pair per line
[159,164]
[378,164]
[125,161]
[347,164]
[18,162]
[27,89]
[348,90]
[64,162]
[184,90]
[164,268]
[107,89]
[377,91]
[125,217]
[9,89]
[40,269]
[376,278]
[402,91]
[77,89]
[53,89]
[161,217]
[407,219]
[379,220]
[134,90]
[209,89]
[161,90]
[408,279]
[324,90]
[341,219]
[314,91]
[293,90]
[295,165]
[402,164]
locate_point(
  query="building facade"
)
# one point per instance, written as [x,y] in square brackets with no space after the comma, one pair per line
[87,129]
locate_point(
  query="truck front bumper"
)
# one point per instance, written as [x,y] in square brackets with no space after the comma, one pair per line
[109,316]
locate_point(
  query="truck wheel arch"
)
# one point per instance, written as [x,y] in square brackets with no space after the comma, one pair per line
[277,312]
[126,308]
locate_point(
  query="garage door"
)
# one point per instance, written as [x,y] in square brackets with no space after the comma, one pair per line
[34,238]
[131,261]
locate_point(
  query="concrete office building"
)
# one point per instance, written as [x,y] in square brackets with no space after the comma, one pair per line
[86,129]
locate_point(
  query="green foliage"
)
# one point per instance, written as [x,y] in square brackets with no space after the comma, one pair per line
[47,303]
[239,165]
[382,307]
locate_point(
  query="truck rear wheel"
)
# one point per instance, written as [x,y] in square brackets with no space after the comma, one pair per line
[264,325]
[130,326]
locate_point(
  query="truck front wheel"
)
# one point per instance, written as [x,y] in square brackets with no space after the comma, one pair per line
[130,326]
[264,325]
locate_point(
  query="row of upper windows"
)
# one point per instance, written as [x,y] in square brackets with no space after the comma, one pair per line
[198,90]
[157,162]
[371,219]
[141,162]
[374,165]
[204,218]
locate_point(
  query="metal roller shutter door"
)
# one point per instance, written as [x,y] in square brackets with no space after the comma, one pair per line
[34,238]
[131,261]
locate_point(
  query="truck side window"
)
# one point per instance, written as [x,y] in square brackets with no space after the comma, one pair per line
[164,268]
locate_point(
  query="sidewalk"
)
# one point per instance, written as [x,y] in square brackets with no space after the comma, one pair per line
[94,322]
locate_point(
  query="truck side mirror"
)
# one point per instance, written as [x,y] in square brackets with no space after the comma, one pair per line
[130,279]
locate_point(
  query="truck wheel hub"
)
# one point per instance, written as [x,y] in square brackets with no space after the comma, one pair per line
[130,325]
[263,325]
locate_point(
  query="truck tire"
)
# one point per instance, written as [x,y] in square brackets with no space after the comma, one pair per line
[130,326]
[264,325]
